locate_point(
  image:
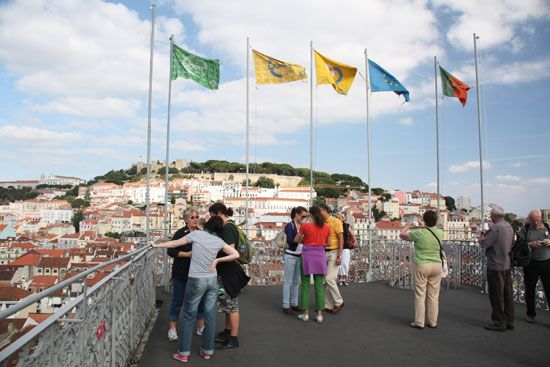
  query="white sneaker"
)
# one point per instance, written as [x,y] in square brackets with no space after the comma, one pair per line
[172,335]
[319,319]
[303,317]
[200,330]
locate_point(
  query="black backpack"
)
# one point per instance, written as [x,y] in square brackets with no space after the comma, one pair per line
[521,252]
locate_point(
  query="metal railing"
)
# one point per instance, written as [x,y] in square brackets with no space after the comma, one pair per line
[100,326]
[392,261]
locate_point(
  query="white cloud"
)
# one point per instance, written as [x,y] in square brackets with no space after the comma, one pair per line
[459,168]
[91,107]
[507,178]
[407,121]
[495,21]
[519,164]
[539,181]
[394,38]
[32,136]
[81,48]
[431,184]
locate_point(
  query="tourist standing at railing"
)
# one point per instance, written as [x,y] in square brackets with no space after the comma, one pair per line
[232,279]
[180,271]
[333,299]
[315,237]
[537,235]
[293,252]
[427,269]
[497,243]
[349,240]
[202,283]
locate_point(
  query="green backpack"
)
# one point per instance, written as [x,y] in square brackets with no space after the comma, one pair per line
[244,247]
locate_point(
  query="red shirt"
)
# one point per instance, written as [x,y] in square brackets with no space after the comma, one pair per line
[315,235]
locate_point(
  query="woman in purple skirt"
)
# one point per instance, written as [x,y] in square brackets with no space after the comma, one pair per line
[314,262]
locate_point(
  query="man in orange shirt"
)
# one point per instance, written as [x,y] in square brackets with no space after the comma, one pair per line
[333,299]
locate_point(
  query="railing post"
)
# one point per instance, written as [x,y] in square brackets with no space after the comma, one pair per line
[114,300]
[85,325]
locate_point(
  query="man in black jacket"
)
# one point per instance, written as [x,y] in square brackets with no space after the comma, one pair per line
[180,272]
[537,235]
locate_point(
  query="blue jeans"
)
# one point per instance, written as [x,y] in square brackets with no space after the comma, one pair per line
[178,291]
[291,283]
[199,290]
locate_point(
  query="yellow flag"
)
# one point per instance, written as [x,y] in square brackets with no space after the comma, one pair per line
[272,71]
[332,72]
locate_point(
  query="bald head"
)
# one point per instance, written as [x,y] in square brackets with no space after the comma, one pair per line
[535,218]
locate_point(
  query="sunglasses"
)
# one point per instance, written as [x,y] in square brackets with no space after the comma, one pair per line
[194,217]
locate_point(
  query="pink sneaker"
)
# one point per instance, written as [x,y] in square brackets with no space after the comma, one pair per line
[181,358]
[205,356]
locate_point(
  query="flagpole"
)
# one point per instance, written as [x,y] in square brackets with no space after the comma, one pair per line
[247,129]
[148,190]
[437,136]
[311,123]
[168,142]
[476,37]
[369,216]
[165,255]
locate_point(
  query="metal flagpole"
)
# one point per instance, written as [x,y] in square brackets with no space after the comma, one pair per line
[168,143]
[437,136]
[165,255]
[311,123]
[476,37]
[247,130]
[369,216]
[148,192]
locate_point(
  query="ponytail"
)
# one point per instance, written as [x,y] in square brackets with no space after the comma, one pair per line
[318,218]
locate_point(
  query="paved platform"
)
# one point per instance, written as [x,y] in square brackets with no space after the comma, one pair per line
[371,330]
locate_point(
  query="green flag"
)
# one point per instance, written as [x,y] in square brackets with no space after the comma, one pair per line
[204,71]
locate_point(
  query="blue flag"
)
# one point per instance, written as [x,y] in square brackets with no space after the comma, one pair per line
[382,81]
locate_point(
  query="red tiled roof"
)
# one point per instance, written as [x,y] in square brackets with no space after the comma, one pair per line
[74,235]
[17,323]
[43,281]
[3,226]
[54,262]
[51,252]
[12,294]
[389,225]
[39,317]
[31,258]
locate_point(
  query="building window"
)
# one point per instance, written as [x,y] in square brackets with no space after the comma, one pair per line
[47,271]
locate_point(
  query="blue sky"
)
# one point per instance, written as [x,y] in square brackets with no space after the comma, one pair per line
[73,90]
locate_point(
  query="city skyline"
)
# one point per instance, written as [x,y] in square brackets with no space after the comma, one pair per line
[80,108]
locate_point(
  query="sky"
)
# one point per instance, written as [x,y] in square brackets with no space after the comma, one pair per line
[74,90]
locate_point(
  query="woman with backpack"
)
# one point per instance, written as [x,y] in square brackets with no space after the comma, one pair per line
[293,251]
[202,283]
[232,279]
[315,238]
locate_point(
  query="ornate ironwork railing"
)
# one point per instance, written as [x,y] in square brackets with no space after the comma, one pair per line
[100,326]
[392,261]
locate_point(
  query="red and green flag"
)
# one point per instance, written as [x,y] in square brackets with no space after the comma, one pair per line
[452,87]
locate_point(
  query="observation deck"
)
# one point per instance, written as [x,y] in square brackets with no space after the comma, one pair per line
[122,320]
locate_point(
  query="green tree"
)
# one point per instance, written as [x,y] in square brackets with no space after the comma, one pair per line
[318,200]
[265,182]
[114,235]
[385,197]
[450,203]
[77,218]
[80,203]
[378,191]
[377,213]
[513,220]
